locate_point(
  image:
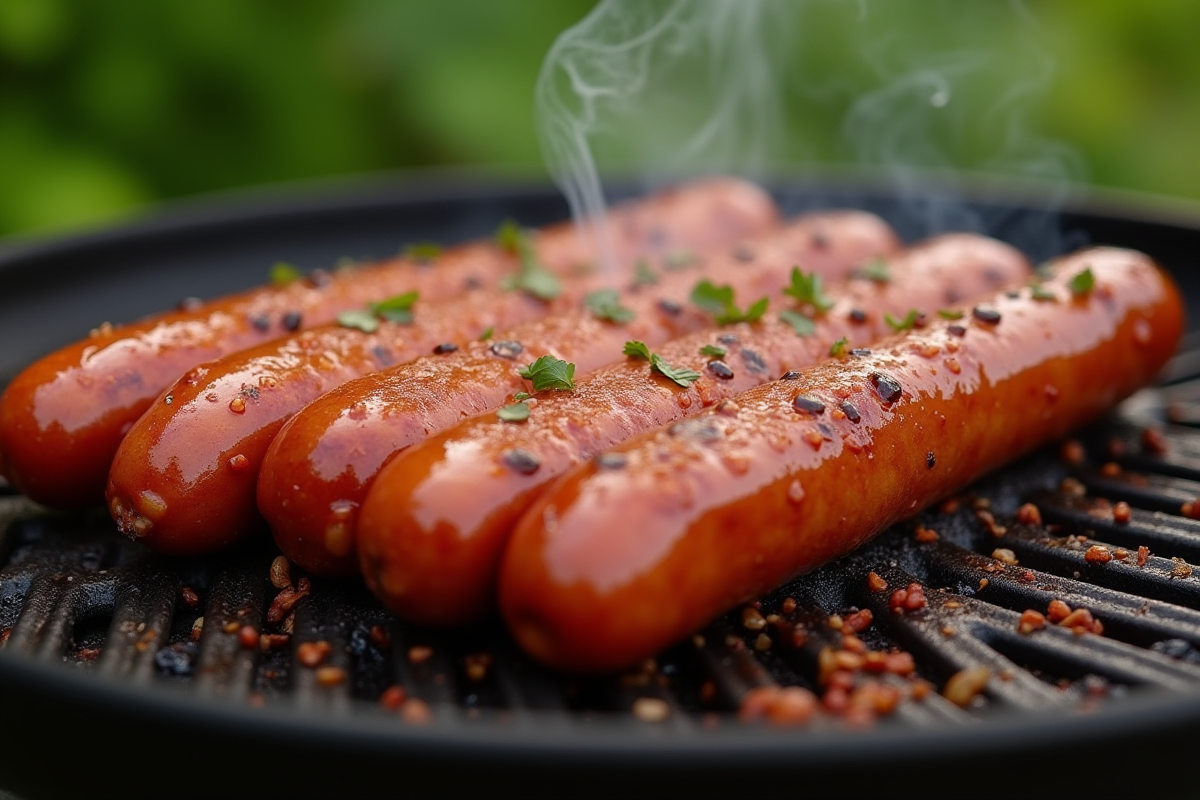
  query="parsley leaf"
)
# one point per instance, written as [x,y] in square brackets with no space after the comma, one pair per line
[713,350]
[549,372]
[283,273]
[606,304]
[800,323]
[718,301]
[517,412]
[531,276]
[681,375]
[519,396]
[807,290]
[643,275]
[875,270]
[423,251]
[360,318]
[397,308]
[487,333]
[838,348]
[1039,292]
[950,313]
[907,324]
[1083,283]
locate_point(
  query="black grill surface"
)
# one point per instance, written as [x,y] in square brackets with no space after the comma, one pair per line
[126,674]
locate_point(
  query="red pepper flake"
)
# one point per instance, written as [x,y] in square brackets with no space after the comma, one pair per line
[814,438]
[1072,487]
[1097,554]
[1081,621]
[1122,513]
[989,521]
[1110,469]
[287,599]
[419,653]
[247,637]
[239,463]
[313,654]
[273,641]
[1031,621]
[1029,514]
[393,697]
[380,637]
[876,583]
[1120,554]
[1143,555]
[1057,611]
[1072,452]
[784,706]
[1190,510]
[900,663]
[858,621]
[189,597]
[330,676]
[788,606]
[925,535]
[910,599]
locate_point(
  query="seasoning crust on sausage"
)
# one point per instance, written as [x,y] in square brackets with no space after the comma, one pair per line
[632,551]
[318,468]
[436,518]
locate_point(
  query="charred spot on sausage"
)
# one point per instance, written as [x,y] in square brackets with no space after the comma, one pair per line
[720,370]
[808,404]
[509,350]
[887,386]
[522,462]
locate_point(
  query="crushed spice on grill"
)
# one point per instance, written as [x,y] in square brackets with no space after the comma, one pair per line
[419,653]
[1097,554]
[1181,568]
[393,697]
[1121,512]
[313,654]
[924,535]
[330,676]
[247,637]
[876,583]
[1143,555]
[1029,514]
[1031,621]
[280,572]
[189,597]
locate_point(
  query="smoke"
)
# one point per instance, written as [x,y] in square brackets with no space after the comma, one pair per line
[772,89]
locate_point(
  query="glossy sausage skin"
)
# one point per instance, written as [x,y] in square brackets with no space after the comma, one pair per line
[628,554]
[435,521]
[183,479]
[62,418]
[319,467]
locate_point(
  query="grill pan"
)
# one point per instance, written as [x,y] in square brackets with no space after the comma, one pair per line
[102,694]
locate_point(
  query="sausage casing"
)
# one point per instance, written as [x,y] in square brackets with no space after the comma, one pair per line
[62,417]
[318,468]
[436,518]
[627,554]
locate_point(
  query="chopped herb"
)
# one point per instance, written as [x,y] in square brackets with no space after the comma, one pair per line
[1083,283]
[807,290]
[517,412]
[643,275]
[360,318]
[678,259]
[1044,270]
[283,273]
[531,276]
[800,323]
[606,304]
[423,251]
[519,396]
[1039,292]
[397,308]
[713,351]
[719,301]
[838,348]
[907,324]
[549,372]
[682,376]
[950,313]
[875,270]
[487,333]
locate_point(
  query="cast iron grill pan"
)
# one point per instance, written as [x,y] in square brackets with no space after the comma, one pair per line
[105,690]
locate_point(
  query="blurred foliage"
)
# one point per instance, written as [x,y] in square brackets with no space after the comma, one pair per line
[107,106]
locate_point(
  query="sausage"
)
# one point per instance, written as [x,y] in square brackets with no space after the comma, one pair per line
[62,418]
[436,518]
[183,479]
[630,552]
[320,465]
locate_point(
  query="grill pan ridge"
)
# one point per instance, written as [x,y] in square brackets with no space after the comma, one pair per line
[105,691]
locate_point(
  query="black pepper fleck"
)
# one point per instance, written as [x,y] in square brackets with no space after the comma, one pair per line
[249,391]
[887,386]
[611,461]
[291,320]
[521,461]
[956,330]
[851,412]
[808,404]
[754,362]
[858,315]
[728,338]
[670,306]
[189,304]
[861,352]
[930,459]
[790,375]
[445,347]
[382,355]
[509,350]
[472,282]
[720,369]
[260,322]
[698,430]
[743,253]
[984,314]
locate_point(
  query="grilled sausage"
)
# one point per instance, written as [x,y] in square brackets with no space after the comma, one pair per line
[62,418]
[318,468]
[632,551]
[436,518]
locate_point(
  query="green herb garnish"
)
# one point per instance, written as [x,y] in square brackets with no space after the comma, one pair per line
[838,348]
[643,275]
[423,251]
[950,313]
[875,270]
[807,290]
[1039,292]
[284,273]
[719,301]
[361,318]
[713,351]
[907,324]
[1083,283]
[531,276]
[487,333]
[519,396]
[606,304]
[682,376]
[800,323]
[517,412]
[549,372]
[397,308]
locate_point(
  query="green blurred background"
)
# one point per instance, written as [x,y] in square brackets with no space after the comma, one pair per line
[108,107]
